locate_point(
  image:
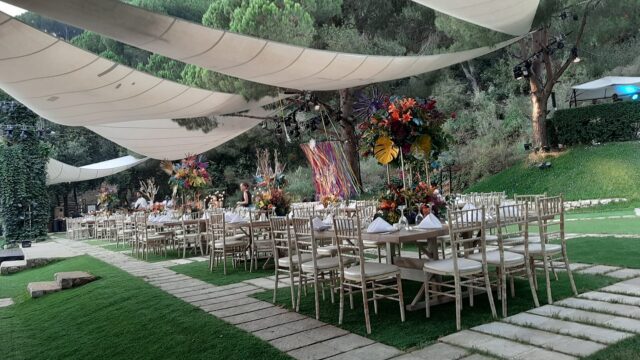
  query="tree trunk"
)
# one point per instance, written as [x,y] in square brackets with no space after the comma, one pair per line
[539,120]
[348,133]
[469,73]
[65,204]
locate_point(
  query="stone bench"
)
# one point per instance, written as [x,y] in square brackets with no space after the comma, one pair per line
[41,288]
[10,267]
[70,279]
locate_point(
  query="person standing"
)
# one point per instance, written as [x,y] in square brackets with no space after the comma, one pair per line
[246,195]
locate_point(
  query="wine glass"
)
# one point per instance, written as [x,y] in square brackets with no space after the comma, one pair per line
[419,217]
[404,223]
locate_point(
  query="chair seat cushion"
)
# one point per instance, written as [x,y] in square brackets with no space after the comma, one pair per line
[284,261]
[325,263]
[230,243]
[493,258]
[533,238]
[536,249]
[371,270]
[465,266]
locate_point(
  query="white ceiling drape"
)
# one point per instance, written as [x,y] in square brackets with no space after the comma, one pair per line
[59,172]
[70,86]
[513,17]
[245,57]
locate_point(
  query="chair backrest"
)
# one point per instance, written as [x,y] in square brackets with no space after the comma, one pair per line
[283,244]
[348,238]
[461,224]
[550,211]
[513,227]
[303,211]
[140,221]
[216,227]
[305,238]
[531,199]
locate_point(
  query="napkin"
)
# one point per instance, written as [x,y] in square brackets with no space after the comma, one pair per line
[513,212]
[430,222]
[328,220]
[469,206]
[319,225]
[379,225]
[228,216]
[235,218]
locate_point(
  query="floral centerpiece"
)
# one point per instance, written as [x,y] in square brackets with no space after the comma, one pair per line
[429,199]
[396,195]
[331,199]
[108,196]
[157,208]
[215,200]
[189,176]
[274,199]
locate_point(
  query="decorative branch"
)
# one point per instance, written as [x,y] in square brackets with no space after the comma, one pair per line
[149,188]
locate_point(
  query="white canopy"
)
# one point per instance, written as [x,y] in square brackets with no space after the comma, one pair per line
[70,86]
[165,139]
[604,88]
[59,172]
[245,57]
[512,17]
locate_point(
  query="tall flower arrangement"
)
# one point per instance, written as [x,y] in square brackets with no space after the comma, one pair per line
[270,182]
[189,176]
[108,196]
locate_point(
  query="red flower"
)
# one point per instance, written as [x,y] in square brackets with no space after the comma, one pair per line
[453,115]
[407,117]
[407,104]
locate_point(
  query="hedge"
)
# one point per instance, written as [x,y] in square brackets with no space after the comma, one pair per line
[601,123]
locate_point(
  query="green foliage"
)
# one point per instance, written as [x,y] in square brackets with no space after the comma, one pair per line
[24,202]
[582,172]
[300,184]
[601,123]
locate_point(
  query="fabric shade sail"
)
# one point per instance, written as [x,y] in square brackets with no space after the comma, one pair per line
[59,172]
[70,86]
[512,17]
[624,87]
[166,139]
[245,57]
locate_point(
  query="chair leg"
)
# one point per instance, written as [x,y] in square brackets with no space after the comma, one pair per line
[547,279]
[375,300]
[292,287]
[224,260]
[553,269]
[569,273]
[487,284]
[458,294]
[341,313]
[316,296]
[427,296]
[275,287]
[351,297]
[502,291]
[365,303]
[532,286]
[400,297]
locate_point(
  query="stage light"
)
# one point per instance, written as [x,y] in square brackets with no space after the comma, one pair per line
[574,53]
[635,97]
[517,73]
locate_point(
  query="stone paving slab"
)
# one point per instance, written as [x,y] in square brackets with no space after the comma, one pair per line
[6,302]
[603,307]
[588,317]
[544,339]
[611,298]
[375,351]
[229,304]
[307,337]
[621,288]
[331,347]
[593,333]
[266,283]
[221,299]
[213,294]
[440,351]
[501,347]
[624,273]
[241,309]
[256,315]
[477,357]
[598,270]
[271,321]
[288,328]
[635,282]
[186,287]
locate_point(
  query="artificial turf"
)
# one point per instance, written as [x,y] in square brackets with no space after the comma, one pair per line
[624,350]
[116,317]
[200,270]
[612,251]
[418,331]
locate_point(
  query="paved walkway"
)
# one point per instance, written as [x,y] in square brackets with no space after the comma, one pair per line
[568,329]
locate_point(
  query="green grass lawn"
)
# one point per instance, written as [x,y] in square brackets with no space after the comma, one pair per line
[606,226]
[200,270]
[418,331]
[171,255]
[116,317]
[582,172]
[605,251]
[624,350]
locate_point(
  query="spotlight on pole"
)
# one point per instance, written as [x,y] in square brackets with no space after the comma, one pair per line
[574,53]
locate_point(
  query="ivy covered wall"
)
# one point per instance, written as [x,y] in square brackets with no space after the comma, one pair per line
[24,202]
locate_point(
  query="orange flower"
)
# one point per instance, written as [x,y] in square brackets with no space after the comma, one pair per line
[407,104]
[407,117]
[395,116]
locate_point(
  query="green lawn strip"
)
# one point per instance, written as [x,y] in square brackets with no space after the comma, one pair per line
[624,350]
[605,251]
[582,172]
[606,226]
[118,247]
[597,214]
[98,242]
[200,270]
[418,331]
[116,317]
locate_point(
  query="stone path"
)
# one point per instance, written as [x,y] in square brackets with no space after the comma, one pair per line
[6,302]
[569,329]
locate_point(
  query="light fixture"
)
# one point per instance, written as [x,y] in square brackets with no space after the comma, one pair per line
[316,107]
[635,96]
[574,54]
[517,72]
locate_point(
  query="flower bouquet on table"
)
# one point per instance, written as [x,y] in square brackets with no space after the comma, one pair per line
[430,200]
[189,176]
[330,200]
[157,208]
[274,199]
[108,196]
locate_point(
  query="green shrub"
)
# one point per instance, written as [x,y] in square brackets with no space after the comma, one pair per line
[601,123]
[300,184]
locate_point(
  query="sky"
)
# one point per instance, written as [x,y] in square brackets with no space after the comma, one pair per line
[10,9]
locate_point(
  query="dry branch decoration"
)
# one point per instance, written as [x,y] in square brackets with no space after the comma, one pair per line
[149,188]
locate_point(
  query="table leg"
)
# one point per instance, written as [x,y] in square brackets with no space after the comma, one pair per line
[390,252]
